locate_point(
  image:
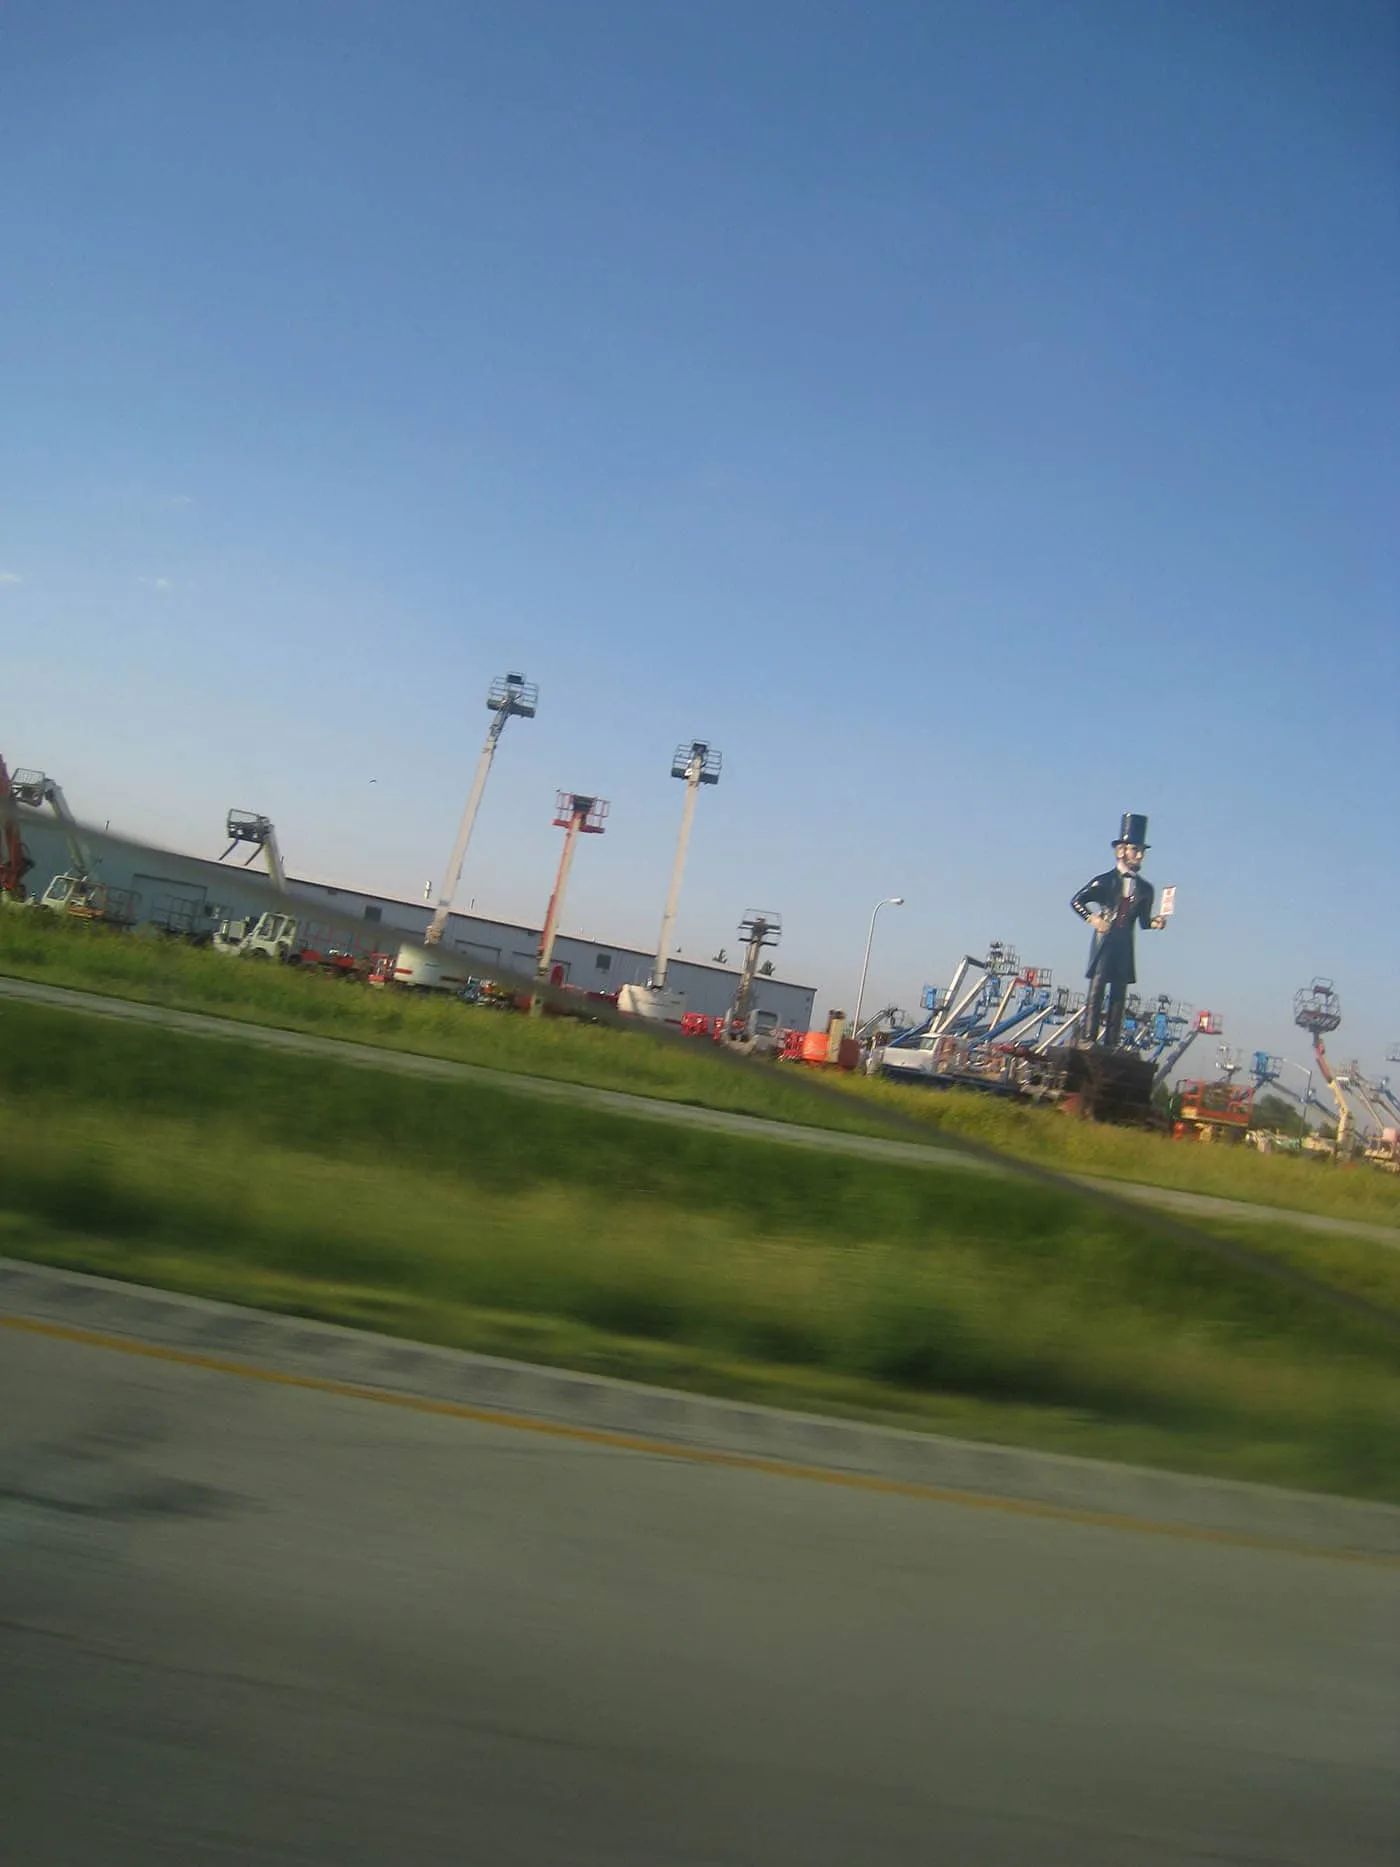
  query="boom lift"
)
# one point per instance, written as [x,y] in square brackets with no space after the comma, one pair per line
[742,1027]
[1318,1010]
[758,929]
[1218,1111]
[509,697]
[36,789]
[980,1031]
[1060,1019]
[246,826]
[1208,1024]
[15,859]
[77,892]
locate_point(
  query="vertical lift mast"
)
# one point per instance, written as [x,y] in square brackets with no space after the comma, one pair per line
[698,763]
[509,697]
[246,826]
[1318,1011]
[1208,1024]
[576,814]
[36,789]
[758,929]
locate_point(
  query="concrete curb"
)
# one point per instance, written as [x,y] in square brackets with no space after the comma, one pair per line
[326,1352]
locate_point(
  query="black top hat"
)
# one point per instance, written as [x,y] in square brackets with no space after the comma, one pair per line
[1134,830]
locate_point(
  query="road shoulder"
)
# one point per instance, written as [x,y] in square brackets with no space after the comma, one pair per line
[662,1422]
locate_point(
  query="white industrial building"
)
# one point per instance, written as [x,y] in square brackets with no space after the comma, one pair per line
[174,889]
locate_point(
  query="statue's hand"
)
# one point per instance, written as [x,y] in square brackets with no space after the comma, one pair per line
[1159,923]
[1100,922]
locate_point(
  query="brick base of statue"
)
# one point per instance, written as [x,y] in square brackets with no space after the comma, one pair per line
[1107,1085]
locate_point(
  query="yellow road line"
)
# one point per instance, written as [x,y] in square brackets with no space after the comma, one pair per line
[695,1455]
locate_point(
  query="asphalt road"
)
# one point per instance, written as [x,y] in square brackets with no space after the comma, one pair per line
[933,1152]
[243,1624]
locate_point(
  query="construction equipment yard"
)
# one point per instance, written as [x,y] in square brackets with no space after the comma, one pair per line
[462,1205]
[291,1105]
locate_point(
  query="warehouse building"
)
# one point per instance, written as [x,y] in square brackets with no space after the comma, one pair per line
[193,893]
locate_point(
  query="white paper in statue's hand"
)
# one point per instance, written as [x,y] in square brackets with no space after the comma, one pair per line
[1168,902]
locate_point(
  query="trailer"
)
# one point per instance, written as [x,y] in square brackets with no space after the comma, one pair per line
[414,968]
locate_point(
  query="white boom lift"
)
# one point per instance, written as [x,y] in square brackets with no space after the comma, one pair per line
[36,789]
[246,826]
[77,892]
[696,764]
[511,696]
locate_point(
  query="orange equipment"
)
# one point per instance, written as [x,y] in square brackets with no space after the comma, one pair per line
[830,1048]
[1212,1111]
[15,860]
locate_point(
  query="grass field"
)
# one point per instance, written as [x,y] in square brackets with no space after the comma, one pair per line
[161,972]
[1302,1183]
[40,946]
[459,1214]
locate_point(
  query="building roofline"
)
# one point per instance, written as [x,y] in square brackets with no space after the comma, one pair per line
[462,915]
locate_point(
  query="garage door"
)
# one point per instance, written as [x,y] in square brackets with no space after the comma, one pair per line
[179,907]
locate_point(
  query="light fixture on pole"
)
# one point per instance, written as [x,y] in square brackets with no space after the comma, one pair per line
[890,901]
[510,696]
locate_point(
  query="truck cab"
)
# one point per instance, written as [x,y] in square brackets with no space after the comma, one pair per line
[273,936]
[230,931]
[89,901]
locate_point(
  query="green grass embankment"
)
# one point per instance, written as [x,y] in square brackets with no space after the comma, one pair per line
[459,1214]
[157,971]
[1294,1182]
[42,947]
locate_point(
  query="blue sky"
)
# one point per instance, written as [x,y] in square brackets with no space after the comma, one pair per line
[978,419]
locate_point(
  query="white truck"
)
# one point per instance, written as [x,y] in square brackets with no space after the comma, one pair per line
[421,969]
[654,1003]
[286,938]
[89,901]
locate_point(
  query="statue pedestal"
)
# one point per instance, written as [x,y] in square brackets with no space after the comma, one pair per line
[1106,1085]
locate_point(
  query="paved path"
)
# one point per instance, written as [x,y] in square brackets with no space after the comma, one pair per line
[247,1624]
[651,1108]
[408,1063]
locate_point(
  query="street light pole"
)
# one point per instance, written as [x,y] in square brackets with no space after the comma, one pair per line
[1307,1092]
[890,901]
